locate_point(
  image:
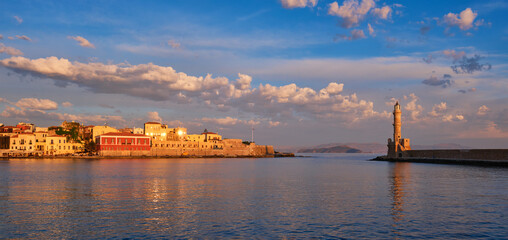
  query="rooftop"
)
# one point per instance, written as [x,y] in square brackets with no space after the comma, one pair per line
[123,134]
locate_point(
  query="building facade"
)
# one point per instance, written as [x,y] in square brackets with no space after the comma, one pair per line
[100,130]
[123,144]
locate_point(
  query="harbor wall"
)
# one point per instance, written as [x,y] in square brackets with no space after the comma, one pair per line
[473,154]
[251,150]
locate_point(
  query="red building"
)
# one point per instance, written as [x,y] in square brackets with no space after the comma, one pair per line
[128,142]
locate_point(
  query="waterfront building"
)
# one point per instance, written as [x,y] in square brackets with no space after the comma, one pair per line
[123,144]
[23,142]
[59,145]
[398,144]
[100,130]
[157,131]
[5,142]
[161,132]
[26,127]
[136,130]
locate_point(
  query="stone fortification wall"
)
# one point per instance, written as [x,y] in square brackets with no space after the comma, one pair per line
[474,154]
[106,153]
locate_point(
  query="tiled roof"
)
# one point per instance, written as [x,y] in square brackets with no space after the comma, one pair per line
[152,123]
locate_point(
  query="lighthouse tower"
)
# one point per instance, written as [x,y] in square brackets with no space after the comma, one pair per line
[398,144]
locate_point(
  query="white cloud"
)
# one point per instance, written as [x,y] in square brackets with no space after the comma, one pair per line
[227,121]
[23,37]
[355,35]
[298,3]
[414,109]
[154,116]
[67,104]
[10,50]
[371,30]
[352,12]
[82,41]
[382,13]
[482,110]
[29,109]
[35,103]
[273,123]
[464,20]
[18,19]
[453,54]
[438,109]
[453,118]
[164,83]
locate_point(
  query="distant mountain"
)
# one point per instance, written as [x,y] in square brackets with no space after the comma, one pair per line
[362,147]
[335,149]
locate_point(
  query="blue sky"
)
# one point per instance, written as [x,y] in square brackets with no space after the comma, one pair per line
[303,72]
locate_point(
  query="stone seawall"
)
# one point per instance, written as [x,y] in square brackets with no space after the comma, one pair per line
[474,154]
[484,157]
[249,151]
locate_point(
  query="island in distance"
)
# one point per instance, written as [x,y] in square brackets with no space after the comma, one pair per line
[364,148]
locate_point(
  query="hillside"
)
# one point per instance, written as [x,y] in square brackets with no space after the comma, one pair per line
[335,149]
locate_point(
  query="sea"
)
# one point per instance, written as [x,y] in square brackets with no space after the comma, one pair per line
[320,196]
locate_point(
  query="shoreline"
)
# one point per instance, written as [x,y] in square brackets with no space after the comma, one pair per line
[454,161]
[278,155]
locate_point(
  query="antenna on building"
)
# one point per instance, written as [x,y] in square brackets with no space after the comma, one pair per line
[252,134]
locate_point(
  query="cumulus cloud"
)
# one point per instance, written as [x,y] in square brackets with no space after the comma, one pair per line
[464,20]
[453,118]
[18,19]
[30,114]
[454,55]
[23,37]
[274,123]
[174,44]
[33,108]
[382,13]
[161,83]
[412,107]
[35,103]
[82,41]
[371,30]
[352,12]
[10,50]
[438,109]
[227,121]
[355,35]
[67,104]
[470,65]
[434,81]
[298,3]
[154,116]
[482,110]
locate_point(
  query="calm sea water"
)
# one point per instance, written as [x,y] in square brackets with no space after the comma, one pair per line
[323,196]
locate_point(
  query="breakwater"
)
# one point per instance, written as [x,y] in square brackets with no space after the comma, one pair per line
[494,157]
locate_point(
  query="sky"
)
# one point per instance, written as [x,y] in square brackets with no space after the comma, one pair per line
[300,72]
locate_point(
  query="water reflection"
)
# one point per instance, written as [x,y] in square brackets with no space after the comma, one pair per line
[399,179]
[332,196]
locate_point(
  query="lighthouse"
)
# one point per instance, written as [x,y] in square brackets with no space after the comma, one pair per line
[398,145]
